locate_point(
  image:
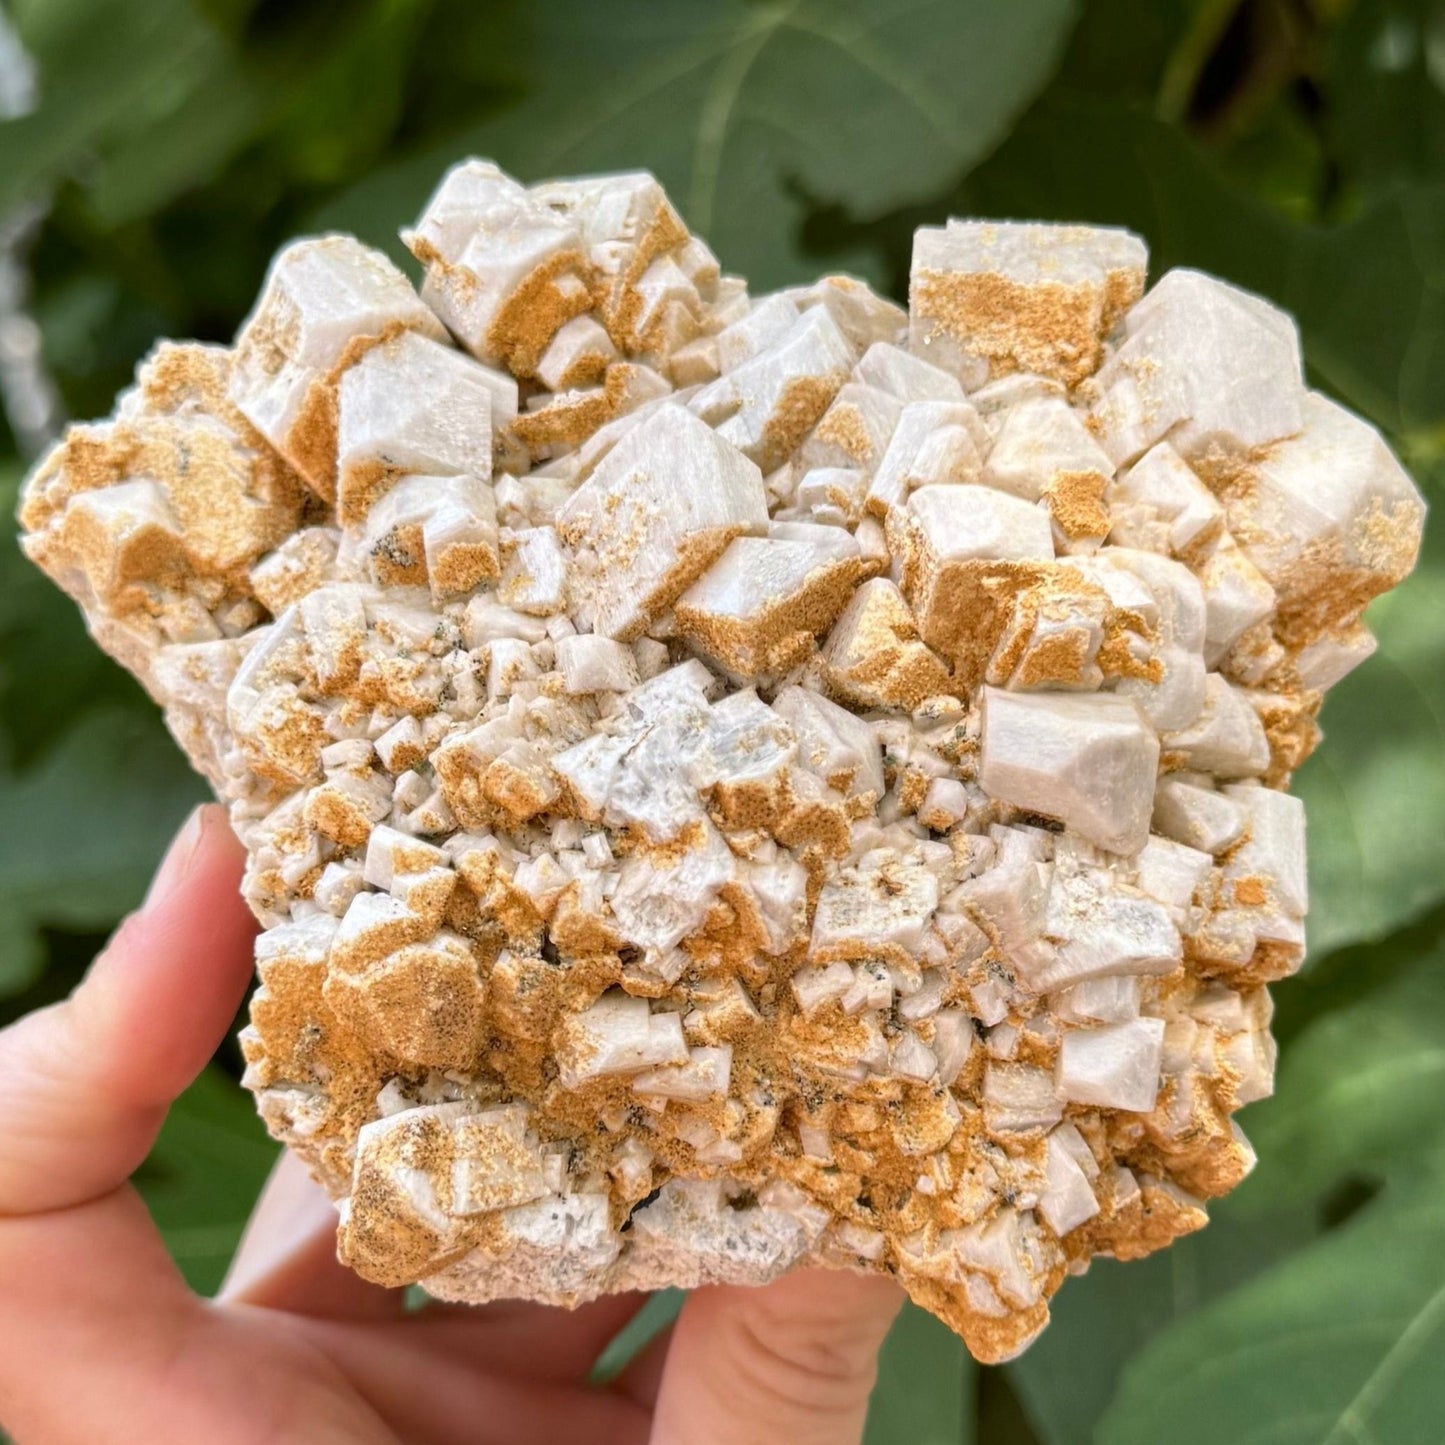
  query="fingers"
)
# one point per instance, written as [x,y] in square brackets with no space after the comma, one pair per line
[791,1362]
[92,1307]
[426,1394]
[287,1257]
[532,1341]
[92,1304]
[87,1082]
[102,1341]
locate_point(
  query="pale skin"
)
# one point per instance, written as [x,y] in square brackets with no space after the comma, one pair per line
[101,1341]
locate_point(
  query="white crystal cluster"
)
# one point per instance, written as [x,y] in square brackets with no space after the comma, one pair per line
[733,782]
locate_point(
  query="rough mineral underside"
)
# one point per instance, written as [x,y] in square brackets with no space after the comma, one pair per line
[732,782]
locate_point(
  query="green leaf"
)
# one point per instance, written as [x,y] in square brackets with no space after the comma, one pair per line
[924,1394]
[208,124]
[322,136]
[1359,1090]
[740,109]
[1355,1107]
[1355,1112]
[1338,1346]
[107,74]
[81,831]
[1337,1343]
[1386,111]
[139,128]
[22,955]
[204,1174]
[1119,48]
[1068,1377]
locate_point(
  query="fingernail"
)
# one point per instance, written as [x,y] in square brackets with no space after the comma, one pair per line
[176,865]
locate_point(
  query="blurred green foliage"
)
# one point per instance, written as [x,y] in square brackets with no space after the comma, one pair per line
[1294,146]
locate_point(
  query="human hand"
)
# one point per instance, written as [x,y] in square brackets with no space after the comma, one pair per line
[101,1341]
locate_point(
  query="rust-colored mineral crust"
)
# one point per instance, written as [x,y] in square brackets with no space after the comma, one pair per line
[738,783]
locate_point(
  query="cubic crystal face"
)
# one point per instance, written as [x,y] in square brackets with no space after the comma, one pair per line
[737,783]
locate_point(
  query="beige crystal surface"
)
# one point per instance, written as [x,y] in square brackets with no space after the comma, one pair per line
[733,783]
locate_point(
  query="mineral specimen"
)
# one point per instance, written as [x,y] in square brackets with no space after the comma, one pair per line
[732,784]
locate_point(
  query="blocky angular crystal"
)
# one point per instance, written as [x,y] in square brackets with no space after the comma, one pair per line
[731,784]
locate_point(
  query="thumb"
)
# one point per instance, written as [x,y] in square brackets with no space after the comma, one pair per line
[87,1081]
[793,1361]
